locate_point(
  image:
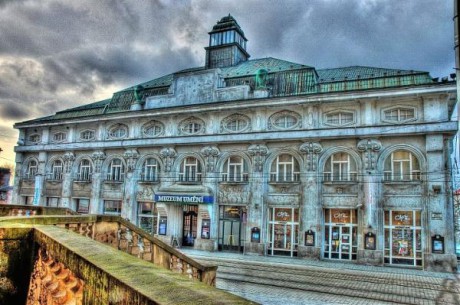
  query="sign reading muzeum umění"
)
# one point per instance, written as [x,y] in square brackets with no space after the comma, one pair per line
[183,198]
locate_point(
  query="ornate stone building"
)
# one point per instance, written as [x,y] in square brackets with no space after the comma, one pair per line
[262,156]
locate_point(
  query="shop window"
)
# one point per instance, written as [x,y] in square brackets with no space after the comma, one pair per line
[112,207]
[190,170]
[403,238]
[153,129]
[340,167]
[150,170]
[340,234]
[87,135]
[284,120]
[235,170]
[118,131]
[283,231]
[84,170]
[285,168]
[235,123]
[59,137]
[399,115]
[32,169]
[116,170]
[232,224]
[147,217]
[339,118]
[402,165]
[56,170]
[82,205]
[52,202]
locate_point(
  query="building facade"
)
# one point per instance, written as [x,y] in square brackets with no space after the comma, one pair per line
[260,156]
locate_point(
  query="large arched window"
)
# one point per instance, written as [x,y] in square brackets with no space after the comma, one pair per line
[56,170]
[340,167]
[150,170]
[84,170]
[401,165]
[190,170]
[285,168]
[235,170]
[116,171]
[32,169]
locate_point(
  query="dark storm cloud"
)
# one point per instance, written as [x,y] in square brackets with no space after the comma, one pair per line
[58,54]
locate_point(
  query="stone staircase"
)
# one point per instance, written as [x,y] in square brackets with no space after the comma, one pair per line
[379,285]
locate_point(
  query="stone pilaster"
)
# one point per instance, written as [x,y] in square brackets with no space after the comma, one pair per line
[168,155]
[17,179]
[96,183]
[39,199]
[128,207]
[67,179]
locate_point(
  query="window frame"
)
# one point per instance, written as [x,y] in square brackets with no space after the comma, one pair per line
[386,118]
[347,169]
[91,132]
[32,170]
[285,171]
[115,129]
[273,120]
[85,171]
[150,172]
[116,172]
[235,172]
[153,124]
[190,170]
[238,118]
[341,121]
[57,170]
[413,174]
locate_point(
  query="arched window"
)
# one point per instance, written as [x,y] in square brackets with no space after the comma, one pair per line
[192,126]
[235,170]
[116,170]
[32,168]
[236,123]
[190,170]
[340,167]
[150,170]
[56,170]
[153,129]
[402,165]
[285,168]
[118,131]
[84,170]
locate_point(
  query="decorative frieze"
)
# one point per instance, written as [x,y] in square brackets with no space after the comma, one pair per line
[145,193]
[210,153]
[311,151]
[369,148]
[291,200]
[258,152]
[168,154]
[234,195]
[98,157]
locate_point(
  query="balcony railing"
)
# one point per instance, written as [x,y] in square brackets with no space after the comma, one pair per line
[86,177]
[237,178]
[190,178]
[389,176]
[332,177]
[149,178]
[287,178]
[119,177]
[54,176]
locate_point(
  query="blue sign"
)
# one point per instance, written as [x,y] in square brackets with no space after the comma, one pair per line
[184,198]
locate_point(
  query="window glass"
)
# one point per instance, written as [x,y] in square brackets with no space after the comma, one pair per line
[87,135]
[112,207]
[82,206]
[84,171]
[150,170]
[59,137]
[118,132]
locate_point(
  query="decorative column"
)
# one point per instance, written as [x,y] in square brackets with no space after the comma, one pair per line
[129,200]
[168,155]
[311,208]
[39,199]
[67,179]
[257,210]
[369,149]
[210,155]
[95,205]
[16,199]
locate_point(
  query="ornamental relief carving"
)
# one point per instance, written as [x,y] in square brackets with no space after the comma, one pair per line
[168,154]
[131,156]
[402,189]
[145,193]
[283,199]
[82,187]
[210,153]
[234,195]
[311,151]
[98,157]
[258,152]
[68,157]
[369,148]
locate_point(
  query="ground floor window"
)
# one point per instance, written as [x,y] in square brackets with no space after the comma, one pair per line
[112,207]
[147,217]
[52,202]
[82,205]
[232,227]
[340,234]
[403,238]
[28,200]
[283,231]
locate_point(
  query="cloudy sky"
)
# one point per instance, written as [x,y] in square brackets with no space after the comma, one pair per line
[56,54]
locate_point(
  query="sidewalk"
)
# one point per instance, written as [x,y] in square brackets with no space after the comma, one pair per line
[294,261]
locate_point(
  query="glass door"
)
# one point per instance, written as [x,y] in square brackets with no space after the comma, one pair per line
[283,229]
[340,234]
[189,225]
[231,228]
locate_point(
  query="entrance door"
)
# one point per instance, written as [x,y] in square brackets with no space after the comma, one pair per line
[283,231]
[189,228]
[340,234]
[231,228]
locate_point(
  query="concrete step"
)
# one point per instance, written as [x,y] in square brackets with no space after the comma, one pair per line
[386,287]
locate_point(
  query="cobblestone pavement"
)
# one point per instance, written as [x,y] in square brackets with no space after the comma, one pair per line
[280,280]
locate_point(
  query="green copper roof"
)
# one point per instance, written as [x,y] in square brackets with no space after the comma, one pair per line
[360,72]
[284,78]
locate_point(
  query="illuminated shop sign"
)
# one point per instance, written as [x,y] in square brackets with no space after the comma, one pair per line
[184,198]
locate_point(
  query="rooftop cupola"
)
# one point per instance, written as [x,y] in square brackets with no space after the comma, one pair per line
[227,44]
